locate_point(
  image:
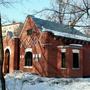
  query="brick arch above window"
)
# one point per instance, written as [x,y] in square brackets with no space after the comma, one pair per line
[28,50]
[28,58]
[8,47]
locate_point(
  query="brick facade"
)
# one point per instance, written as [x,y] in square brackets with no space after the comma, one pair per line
[46,49]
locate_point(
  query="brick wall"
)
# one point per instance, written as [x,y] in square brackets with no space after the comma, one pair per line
[12,44]
[9,44]
[47,45]
[86,61]
[50,62]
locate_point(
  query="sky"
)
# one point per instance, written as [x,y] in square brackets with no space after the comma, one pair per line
[18,11]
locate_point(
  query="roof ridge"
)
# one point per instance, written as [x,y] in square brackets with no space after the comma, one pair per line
[42,22]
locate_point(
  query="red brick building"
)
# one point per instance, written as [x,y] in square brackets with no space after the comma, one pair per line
[48,49]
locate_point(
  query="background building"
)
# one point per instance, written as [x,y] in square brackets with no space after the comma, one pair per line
[10,28]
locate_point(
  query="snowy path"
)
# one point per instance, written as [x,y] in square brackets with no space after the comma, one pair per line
[26,81]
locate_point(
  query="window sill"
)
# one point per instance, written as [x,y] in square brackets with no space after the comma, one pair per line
[28,66]
[75,68]
[63,68]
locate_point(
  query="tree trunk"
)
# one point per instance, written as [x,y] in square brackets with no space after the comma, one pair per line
[1,59]
[2,79]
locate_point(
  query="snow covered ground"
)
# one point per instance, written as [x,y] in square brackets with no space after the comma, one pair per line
[27,81]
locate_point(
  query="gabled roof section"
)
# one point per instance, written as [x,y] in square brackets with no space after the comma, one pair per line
[59,29]
[56,26]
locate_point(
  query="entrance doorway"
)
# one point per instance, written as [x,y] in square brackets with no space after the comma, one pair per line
[7,60]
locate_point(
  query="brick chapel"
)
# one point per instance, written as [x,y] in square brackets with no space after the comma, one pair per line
[48,49]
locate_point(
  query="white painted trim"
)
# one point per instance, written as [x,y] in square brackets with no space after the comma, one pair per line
[40,55]
[8,47]
[69,35]
[63,68]
[21,56]
[33,56]
[28,66]
[75,51]
[28,50]
[76,68]
[37,57]
[63,50]
[78,45]
[66,46]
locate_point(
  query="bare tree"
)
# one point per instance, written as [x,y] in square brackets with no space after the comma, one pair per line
[72,12]
[1,59]
[5,3]
[2,80]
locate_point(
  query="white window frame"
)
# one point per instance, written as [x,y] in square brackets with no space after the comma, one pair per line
[63,51]
[28,50]
[8,47]
[78,52]
[37,57]
[75,51]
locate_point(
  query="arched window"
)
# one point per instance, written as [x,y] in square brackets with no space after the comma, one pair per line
[28,59]
[7,60]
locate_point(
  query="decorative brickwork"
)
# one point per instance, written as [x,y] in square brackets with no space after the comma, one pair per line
[46,49]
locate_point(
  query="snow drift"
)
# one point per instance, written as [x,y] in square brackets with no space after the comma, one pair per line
[28,81]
